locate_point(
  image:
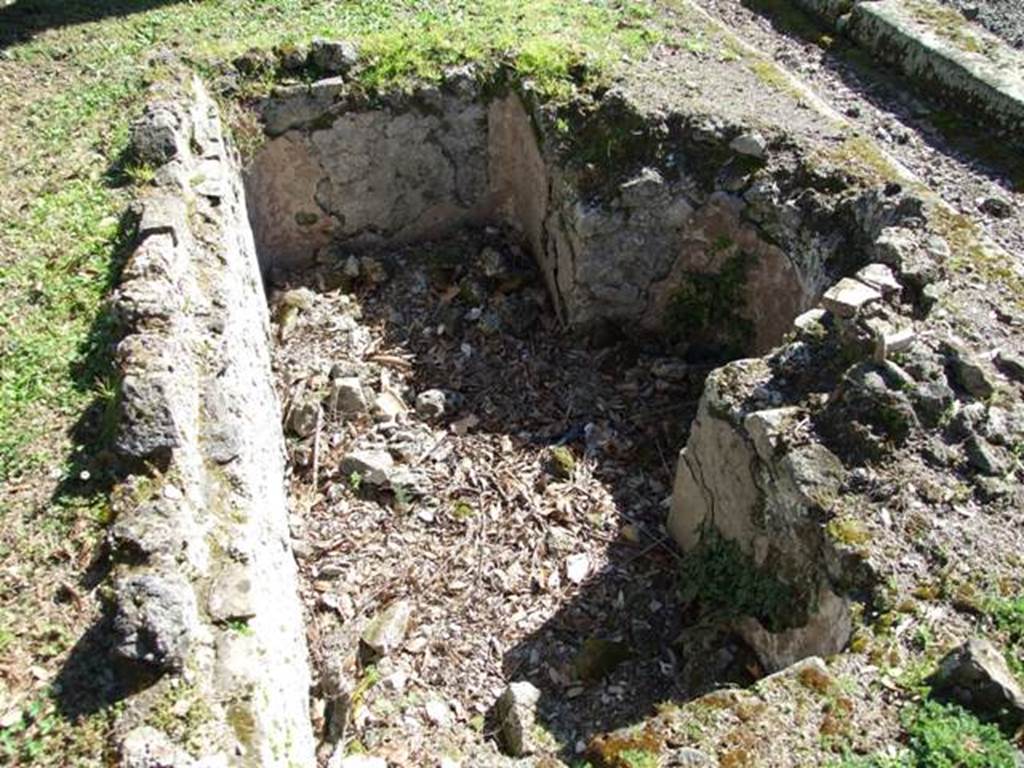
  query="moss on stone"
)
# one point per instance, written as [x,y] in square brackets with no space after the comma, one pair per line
[242,722]
[182,713]
[861,158]
[637,750]
[561,462]
[707,307]
[970,254]
[949,24]
[605,141]
[306,218]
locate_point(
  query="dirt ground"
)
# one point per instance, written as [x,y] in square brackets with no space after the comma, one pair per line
[524,525]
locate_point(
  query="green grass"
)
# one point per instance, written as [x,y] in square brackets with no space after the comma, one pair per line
[56,251]
[72,79]
[722,578]
[638,758]
[56,271]
[943,736]
[946,736]
[1007,615]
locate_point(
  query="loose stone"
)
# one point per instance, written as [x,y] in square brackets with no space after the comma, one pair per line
[155,619]
[387,631]
[811,320]
[438,713]
[517,715]
[300,298]
[577,567]
[303,418]
[997,207]
[1010,364]
[335,57]
[492,262]
[371,466]
[388,405]
[292,57]
[848,296]
[970,373]
[976,676]
[986,458]
[879,277]
[346,396]
[750,144]
[430,404]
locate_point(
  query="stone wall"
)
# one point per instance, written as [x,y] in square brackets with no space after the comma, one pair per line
[779,441]
[207,619]
[970,68]
[338,174]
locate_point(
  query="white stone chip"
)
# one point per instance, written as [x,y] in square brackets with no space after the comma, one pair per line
[387,632]
[848,296]
[438,713]
[372,466]
[577,567]
[389,405]
[879,277]
[809,319]
[340,760]
[751,144]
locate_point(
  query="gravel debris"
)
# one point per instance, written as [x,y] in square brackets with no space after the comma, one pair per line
[1004,18]
[911,128]
[509,571]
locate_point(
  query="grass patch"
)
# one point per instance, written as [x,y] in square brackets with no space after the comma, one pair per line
[947,736]
[1007,615]
[72,80]
[722,578]
[942,736]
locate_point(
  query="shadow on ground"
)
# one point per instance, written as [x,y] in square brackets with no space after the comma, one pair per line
[941,125]
[624,640]
[87,682]
[24,19]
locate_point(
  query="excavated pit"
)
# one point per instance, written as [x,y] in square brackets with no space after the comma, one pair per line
[492,328]
[637,241]
[488,363]
[447,390]
[519,525]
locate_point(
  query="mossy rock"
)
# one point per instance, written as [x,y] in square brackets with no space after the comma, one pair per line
[637,750]
[561,463]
